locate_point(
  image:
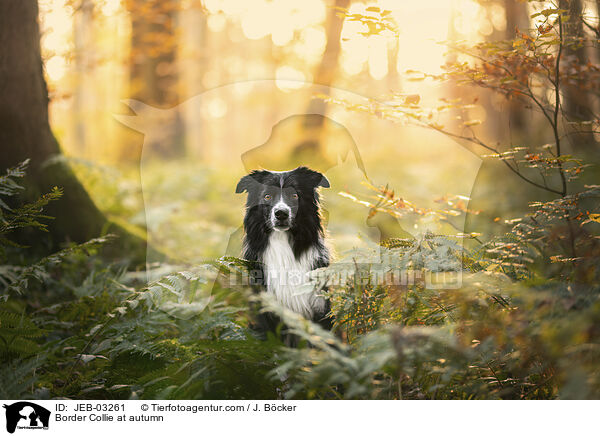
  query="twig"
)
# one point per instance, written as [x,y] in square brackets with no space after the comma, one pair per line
[557,108]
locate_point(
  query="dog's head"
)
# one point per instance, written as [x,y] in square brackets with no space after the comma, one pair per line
[282,199]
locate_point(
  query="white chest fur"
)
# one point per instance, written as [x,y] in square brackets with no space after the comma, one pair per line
[285,275]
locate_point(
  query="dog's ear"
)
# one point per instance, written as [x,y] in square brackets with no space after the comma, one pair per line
[244,184]
[252,180]
[323,182]
[315,178]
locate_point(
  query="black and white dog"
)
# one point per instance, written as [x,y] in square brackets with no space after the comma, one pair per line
[284,237]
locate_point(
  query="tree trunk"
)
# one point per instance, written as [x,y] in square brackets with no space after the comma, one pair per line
[329,62]
[25,134]
[192,64]
[516,18]
[393,78]
[153,70]
[309,147]
[83,37]
[577,104]
[25,131]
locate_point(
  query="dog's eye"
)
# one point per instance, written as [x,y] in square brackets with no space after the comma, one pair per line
[267,197]
[295,196]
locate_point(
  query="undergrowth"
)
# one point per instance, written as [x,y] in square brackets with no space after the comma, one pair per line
[520,322]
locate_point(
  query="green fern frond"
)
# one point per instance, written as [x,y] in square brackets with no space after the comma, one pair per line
[22,377]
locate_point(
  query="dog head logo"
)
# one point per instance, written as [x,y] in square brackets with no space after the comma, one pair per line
[26,415]
[221,129]
[298,140]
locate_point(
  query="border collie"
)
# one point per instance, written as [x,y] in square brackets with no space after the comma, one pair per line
[284,237]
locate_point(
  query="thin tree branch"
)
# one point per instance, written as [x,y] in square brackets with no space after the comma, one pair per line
[557,108]
[487,147]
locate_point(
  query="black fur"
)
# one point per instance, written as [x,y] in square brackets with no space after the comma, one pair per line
[305,230]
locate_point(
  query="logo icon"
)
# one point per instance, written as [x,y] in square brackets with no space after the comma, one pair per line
[26,415]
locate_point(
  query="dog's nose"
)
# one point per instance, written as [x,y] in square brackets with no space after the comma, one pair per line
[281,214]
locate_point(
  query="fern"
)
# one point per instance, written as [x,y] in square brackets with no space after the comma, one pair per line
[16,332]
[16,278]
[22,379]
[27,215]
[8,185]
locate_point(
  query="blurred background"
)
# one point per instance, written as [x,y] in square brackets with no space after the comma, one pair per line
[155,103]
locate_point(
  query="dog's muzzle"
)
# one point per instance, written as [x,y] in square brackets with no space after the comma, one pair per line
[280,217]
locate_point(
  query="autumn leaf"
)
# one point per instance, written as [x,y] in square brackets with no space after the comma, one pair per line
[594,217]
[412,99]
